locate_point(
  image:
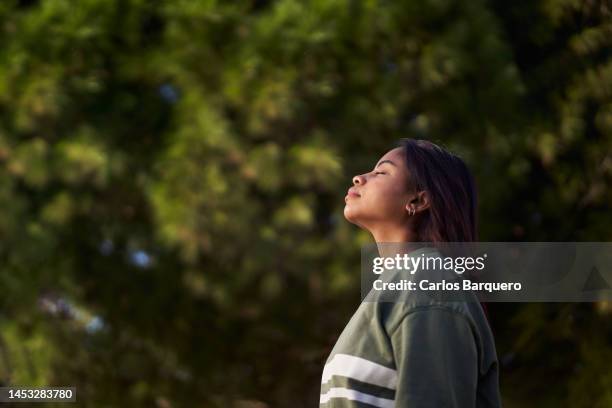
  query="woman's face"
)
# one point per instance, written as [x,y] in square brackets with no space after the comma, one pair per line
[380,197]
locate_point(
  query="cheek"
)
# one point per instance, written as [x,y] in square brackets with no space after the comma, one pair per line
[389,196]
[388,205]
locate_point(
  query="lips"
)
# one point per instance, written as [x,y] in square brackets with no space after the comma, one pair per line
[352,193]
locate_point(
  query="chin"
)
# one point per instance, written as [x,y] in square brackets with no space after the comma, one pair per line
[350,216]
[347,213]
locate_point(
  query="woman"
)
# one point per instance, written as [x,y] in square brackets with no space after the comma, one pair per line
[423,352]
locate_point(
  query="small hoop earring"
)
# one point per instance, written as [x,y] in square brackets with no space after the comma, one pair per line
[411,211]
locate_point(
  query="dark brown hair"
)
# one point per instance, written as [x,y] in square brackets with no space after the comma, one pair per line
[451,216]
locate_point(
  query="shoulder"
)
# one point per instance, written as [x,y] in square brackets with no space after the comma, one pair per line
[404,313]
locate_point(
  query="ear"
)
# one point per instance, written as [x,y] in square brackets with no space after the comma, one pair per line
[419,202]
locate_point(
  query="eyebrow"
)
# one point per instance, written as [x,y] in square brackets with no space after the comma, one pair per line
[385,161]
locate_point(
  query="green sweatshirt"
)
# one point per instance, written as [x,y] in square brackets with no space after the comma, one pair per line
[414,353]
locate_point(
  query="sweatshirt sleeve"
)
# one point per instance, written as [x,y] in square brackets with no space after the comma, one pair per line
[436,358]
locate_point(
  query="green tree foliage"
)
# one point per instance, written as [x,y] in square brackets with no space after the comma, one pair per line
[172,174]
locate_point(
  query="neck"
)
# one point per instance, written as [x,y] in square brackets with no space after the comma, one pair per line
[401,238]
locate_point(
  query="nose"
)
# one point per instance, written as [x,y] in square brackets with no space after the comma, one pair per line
[358,180]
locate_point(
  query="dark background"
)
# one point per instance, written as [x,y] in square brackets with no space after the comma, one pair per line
[172,176]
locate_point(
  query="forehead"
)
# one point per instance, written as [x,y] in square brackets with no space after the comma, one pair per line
[395,155]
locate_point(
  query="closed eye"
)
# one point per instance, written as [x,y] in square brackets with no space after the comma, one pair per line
[379,172]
